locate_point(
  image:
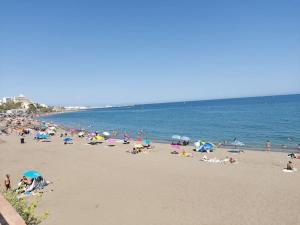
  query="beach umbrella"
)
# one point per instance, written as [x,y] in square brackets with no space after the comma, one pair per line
[51,132]
[42,136]
[68,139]
[176,137]
[184,138]
[81,134]
[237,143]
[204,147]
[146,142]
[105,133]
[31,174]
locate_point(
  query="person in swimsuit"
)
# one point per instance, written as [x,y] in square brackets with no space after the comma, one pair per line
[7,182]
[268,145]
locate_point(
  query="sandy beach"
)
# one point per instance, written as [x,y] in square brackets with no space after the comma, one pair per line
[106,185]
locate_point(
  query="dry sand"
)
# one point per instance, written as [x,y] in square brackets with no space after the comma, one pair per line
[105,185]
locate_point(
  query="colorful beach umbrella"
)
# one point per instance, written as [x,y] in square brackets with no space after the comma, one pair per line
[31,174]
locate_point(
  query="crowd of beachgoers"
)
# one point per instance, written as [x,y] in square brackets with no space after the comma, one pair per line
[28,135]
[26,126]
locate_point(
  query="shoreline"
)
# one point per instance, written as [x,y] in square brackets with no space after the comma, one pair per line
[168,141]
[61,112]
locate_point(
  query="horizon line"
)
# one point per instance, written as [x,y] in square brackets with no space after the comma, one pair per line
[195,100]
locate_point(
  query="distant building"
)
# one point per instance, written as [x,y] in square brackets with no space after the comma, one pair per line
[7,100]
[23,100]
[58,109]
[44,105]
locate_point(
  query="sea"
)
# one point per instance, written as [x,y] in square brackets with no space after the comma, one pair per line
[252,120]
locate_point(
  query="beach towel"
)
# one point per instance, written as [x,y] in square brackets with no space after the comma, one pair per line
[289,171]
[111,142]
[185,154]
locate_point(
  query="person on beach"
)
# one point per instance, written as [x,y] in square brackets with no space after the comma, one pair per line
[23,184]
[290,166]
[299,148]
[268,145]
[126,138]
[114,134]
[7,182]
[232,160]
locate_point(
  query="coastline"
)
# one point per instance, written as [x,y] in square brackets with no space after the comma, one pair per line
[168,141]
[58,113]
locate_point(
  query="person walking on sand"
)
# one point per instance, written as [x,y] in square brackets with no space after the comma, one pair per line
[7,182]
[268,145]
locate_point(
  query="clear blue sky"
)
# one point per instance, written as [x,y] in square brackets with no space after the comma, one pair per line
[113,52]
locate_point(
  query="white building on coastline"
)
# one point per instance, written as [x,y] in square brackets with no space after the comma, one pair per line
[7,99]
[25,102]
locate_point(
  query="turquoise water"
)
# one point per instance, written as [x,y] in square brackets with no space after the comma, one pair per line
[250,120]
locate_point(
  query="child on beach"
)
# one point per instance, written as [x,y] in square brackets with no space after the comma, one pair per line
[7,182]
[290,166]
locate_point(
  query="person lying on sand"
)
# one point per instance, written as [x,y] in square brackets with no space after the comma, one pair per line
[232,160]
[23,184]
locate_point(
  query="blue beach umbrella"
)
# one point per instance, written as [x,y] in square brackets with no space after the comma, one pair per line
[68,139]
[146,141]
[42,136]
[203,147]
[31,174]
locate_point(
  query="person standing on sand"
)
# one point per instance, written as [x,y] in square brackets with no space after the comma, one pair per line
[298,148]
[268,145]
[7,182]
[126,137]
